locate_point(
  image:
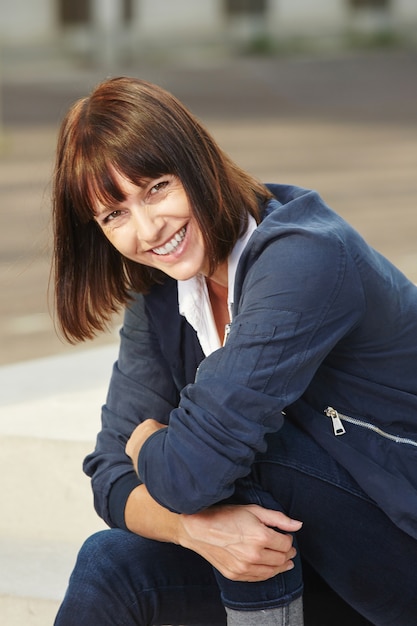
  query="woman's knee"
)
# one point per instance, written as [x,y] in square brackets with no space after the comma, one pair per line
[100,547]
[110,552]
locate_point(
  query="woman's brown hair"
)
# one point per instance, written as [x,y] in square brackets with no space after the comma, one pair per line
[141,131]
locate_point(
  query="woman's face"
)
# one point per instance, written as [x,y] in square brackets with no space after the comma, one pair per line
[154,226]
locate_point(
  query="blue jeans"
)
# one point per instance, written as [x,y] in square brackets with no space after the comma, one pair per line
[121,579]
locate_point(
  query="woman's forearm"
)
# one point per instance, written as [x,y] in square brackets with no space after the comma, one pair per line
[238,540]
[145,517]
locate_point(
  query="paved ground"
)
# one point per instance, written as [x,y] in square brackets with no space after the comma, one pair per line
[346,126]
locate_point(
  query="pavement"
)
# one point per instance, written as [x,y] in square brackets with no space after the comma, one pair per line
[345,125]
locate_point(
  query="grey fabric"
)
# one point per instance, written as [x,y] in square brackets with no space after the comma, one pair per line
[290,615]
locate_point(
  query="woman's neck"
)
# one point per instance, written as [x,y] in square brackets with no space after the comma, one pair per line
[218,299]
[220,276]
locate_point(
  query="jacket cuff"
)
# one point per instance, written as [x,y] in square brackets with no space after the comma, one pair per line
[118,496]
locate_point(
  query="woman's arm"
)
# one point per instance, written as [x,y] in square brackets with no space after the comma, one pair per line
[239,541]
[234,539]
[142,385]
[292,307]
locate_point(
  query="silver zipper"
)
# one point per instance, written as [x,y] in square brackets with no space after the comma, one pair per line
[226,333]
[339,429]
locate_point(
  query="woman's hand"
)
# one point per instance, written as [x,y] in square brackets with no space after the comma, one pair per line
[138,438]
[240,540]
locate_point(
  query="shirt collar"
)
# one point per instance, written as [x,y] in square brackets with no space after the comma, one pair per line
[194,302]
[233,261]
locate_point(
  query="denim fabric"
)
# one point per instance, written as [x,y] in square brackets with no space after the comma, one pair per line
[346,538]
[122,579]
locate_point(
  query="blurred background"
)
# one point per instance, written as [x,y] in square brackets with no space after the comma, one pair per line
[318,93]
[321,94]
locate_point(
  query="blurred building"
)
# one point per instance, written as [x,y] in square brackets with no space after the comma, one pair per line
[111,28]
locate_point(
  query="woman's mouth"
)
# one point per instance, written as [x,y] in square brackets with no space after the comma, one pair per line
[172,244]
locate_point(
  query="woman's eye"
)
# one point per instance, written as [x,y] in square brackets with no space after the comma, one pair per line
[111,216]
[159,186]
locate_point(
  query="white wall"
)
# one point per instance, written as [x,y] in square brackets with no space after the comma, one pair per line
[307,17]
[194,21]
[159,18]
[24,21]
[405,11]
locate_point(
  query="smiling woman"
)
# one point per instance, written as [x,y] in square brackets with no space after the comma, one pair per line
[255,323]
[96,167]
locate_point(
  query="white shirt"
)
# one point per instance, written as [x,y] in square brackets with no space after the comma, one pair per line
[194,301]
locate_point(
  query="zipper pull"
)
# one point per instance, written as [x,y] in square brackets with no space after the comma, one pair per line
[226,333]
[338,427]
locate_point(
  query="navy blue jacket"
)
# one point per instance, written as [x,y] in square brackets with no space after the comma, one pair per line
[320,320]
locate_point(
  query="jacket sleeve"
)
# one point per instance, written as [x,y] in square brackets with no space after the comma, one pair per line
[141,387]
[298,295]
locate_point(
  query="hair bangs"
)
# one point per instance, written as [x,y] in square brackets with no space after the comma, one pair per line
[93,182]
[95,171]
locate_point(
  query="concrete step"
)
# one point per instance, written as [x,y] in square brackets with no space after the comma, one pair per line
[23,611]
[34,579]
[45,494]
[49,418]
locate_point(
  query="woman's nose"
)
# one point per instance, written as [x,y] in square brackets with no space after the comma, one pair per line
[147,226]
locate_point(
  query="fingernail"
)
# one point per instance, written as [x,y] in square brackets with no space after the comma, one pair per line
[296,522]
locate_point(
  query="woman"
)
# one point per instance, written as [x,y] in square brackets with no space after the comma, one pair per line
[266,375]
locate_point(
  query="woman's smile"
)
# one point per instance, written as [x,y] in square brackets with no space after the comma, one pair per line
[173,244]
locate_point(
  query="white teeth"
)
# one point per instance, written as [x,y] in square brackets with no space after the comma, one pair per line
[171,245]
